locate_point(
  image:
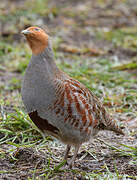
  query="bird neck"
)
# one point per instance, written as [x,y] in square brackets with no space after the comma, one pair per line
[46,57]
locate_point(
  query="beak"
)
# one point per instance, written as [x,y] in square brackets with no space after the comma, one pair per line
[25,32]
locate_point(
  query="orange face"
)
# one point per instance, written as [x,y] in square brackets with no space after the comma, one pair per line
[37,39]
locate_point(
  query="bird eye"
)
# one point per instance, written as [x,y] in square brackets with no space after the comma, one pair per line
[36,29]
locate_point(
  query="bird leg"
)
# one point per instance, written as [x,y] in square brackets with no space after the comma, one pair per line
[66,152]
[71,163]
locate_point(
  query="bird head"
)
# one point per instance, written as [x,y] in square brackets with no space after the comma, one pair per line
[37,39]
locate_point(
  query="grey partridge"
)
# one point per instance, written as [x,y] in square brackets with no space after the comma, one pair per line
[58,104]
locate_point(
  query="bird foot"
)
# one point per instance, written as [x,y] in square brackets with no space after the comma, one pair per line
[70,164]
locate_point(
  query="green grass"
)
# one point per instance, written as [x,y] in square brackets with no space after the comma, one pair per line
[123,37]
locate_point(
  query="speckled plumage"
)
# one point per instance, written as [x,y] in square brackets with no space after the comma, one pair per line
[58,104]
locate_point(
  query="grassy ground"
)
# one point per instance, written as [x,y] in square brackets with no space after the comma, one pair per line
[94,42]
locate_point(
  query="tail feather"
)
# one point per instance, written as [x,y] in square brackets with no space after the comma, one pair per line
[108,123]
[115,127]
[112,125]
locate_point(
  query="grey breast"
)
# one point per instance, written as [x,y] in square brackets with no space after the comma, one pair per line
[37,87]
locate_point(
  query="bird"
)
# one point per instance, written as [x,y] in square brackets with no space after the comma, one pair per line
[57,104]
